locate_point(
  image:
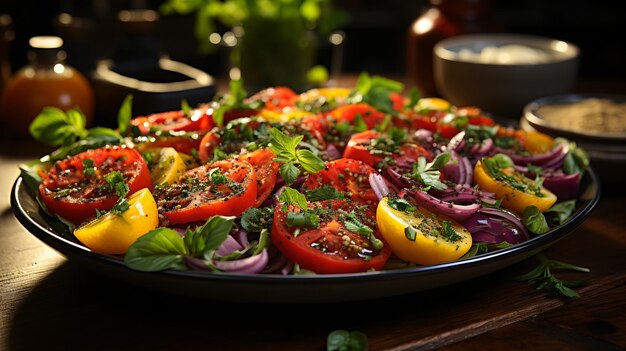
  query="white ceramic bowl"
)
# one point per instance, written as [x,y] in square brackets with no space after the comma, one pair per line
[503,88]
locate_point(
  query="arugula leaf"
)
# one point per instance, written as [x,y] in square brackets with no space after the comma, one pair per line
[255,219]
[54,127]
[125,114]
[534,220]
[158,250]
[343,340]
[285,148]
[428,173]
[543,278]
[293,196]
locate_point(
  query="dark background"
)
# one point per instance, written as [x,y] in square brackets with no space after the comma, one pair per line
[375,40]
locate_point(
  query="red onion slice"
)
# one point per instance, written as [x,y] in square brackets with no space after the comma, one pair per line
[538,159]
[377,182]
[252,264]
[454,211]
[229,246]
[509,216]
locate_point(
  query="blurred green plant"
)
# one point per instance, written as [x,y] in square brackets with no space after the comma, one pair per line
[318,15]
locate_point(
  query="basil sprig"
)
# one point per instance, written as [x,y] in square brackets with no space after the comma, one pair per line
[164,248]
[287,152]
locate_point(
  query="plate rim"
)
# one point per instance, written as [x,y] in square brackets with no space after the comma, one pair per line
[537,243]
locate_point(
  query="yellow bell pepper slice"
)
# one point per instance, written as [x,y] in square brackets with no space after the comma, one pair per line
[114,233]
[513,197]
[420,236]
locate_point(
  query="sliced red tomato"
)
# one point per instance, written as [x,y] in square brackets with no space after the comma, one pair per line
[72,192]
[330,248]
[276,98]
[316,126]
[399,101]
[372,147]
[475,116]
[205,151]
[227,188]
[184,143]
[266,172]
[348,113]
[426,120]
[348,176]
[447,130]
[198,121]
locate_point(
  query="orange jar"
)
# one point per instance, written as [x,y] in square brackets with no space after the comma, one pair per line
[45,81]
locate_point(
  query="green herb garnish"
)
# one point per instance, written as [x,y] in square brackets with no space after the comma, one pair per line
[287,152]
[543,278]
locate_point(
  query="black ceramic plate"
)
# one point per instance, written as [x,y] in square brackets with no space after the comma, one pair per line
[299,289]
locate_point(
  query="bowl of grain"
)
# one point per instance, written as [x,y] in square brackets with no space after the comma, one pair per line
[596,122]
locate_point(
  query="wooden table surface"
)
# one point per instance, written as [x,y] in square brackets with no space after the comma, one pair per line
[48,302]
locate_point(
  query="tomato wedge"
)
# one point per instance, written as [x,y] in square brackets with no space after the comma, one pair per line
[174,121]
[227,187]
[330,248]
[183,143]
[348,176]
[266,172]
[75,193]
[348,113]
[276,98]
[374,147]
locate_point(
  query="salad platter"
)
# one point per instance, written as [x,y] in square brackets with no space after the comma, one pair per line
[330,195]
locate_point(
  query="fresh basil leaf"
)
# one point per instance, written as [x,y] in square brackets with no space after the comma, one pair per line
[97,132]
[82,145]
[125,114]
[215,231]
[560,212]
[375,90]
[255,219]
[534,220]
[158,250]
[309,161]
[324,193]
[343,340]
[294,197]
[440,161]
[414,97]
[54,127]
[289,172]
